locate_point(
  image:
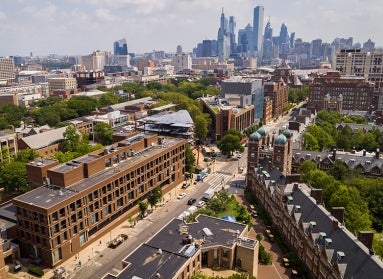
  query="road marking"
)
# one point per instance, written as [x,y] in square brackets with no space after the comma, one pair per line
[277,271]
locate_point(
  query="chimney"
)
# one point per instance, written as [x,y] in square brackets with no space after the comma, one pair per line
[338,213]
[317,194]
[335,224]
[295,187]
[366,237]
[364,152]
[377,153]
[333,157]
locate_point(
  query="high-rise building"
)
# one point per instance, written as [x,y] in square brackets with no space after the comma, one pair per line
[316,48]
[268,31]
[232,26]
[120,47]
[179,49]
[223,39]
[7,69]
[96,61]
[292,40]
[257,30]
[369,45]
[181,62]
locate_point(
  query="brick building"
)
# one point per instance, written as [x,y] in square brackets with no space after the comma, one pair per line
[82,199]
[330,90]
[278,92]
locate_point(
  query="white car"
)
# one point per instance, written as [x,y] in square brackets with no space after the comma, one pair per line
[181,196]
[239,155]
[200,203]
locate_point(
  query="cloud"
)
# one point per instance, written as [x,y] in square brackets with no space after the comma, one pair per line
[105,15]
[2,15]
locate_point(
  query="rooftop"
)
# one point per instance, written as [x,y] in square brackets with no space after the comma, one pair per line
[49,195]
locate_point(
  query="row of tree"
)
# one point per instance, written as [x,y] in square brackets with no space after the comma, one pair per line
[324,134]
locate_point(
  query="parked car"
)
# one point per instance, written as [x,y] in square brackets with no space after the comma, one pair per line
[185,185]
[200,203]
[181,196]
[191,201]
[254,213]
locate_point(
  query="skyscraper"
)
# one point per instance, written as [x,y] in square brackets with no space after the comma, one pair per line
[120,47]
[257,30]
[223,39]
[268,31]
[232,26]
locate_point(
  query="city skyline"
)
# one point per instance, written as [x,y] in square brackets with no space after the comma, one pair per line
[74,28]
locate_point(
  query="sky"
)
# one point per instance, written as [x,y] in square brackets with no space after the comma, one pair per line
[79,27]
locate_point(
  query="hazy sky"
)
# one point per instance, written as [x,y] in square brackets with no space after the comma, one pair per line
[82,26]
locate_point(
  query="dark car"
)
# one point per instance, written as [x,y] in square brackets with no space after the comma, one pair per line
[191,201]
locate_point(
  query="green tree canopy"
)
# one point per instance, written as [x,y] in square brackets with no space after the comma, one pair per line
[104,133]
[72,138]
[13,177]
[231,142]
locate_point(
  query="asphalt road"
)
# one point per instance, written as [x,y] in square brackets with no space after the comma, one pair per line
[110,260]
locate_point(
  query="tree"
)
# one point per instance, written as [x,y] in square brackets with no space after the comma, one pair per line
[13,176]
[142,206]
[26,155]
[108,99]
[230,142]
[264,257]
[83,105]
[189,159]
[201,126]
[155,196]
[104,133]
[356,210]
[72,137]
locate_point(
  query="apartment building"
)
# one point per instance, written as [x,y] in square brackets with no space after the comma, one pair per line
[335,92]
[82,199]
[7,69]
[62,83]
[278,92]
[181,249]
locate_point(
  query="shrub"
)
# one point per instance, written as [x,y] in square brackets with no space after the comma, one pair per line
[35,270]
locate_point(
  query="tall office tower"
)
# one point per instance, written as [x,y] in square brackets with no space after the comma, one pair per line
[257,30]
[120,47]
[268,31]
[96,61]
[223,39]
[292,40]
[7,69]
[369,45]
[284,43]
[179,49]
[316,48]
[206,48]
[232,25]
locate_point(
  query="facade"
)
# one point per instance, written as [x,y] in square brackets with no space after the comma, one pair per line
[82,199]
[270,149]
[243,89]
[96,61]
[332,90]
[120,47]
[225,116]
[22,95]
[60,83]
[361,63]
[8,144]
[223,39]
[85,78]
[278,92]
[258,20]
[267,110]
[181,62]
[7,69]
[181,249]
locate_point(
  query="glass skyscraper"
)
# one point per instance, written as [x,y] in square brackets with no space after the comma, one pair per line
[258,30]
[120,47]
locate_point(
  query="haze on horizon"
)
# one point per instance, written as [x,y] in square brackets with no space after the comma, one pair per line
[72,27]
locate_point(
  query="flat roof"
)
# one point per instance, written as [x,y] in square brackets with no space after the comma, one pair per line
[47,196]
[166,252]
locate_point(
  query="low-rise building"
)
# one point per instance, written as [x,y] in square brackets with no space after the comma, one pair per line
[225,116]
[181,249]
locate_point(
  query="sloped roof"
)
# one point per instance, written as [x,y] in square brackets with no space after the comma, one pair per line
[357,262]
[44,139]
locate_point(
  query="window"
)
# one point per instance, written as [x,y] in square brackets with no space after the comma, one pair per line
[57,255]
